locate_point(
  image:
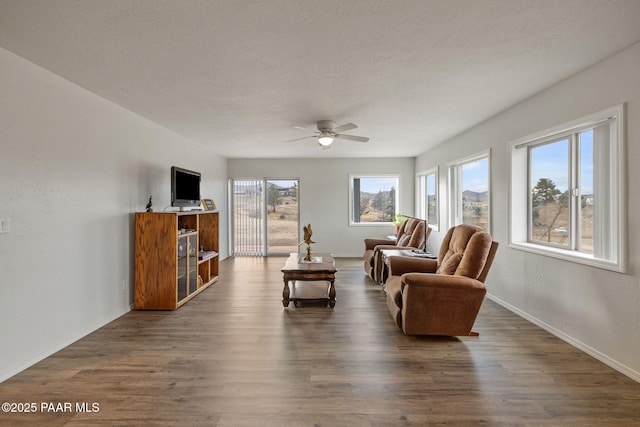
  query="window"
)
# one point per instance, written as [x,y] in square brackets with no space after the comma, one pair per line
[373,199]
[567,191]
[427,187]
[469,188]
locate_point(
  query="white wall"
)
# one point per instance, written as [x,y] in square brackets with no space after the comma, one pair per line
[594,309]
[73,169]
[324,195]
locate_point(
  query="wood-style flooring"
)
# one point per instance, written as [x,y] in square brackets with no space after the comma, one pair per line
[233,356]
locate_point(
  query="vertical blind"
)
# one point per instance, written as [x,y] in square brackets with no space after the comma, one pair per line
[248,217]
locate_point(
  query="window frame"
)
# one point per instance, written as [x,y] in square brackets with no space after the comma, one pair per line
[422,200]
[519,205]
[455,190]
[352,223]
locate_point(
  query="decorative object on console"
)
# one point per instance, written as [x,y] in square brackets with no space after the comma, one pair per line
[307,239]
[208,205]
[149,204]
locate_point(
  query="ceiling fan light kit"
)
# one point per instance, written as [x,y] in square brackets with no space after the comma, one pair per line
[325,139]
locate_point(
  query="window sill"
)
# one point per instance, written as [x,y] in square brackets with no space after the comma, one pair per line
[572,256]
[371,224]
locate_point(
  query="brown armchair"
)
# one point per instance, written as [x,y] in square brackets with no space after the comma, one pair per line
[411,235]
[442,296]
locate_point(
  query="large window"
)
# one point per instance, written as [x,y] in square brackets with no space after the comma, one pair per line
[469,188]
[427,189]
[567,191]
[373,199]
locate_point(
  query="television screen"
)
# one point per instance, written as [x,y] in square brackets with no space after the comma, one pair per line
[185,187]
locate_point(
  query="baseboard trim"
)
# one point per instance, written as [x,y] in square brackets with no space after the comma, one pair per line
[59,345]
[623,369]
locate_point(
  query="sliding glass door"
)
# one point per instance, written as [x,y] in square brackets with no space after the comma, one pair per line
[265,217]
[247,220]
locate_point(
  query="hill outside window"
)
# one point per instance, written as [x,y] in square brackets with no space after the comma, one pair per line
[427,185]
[567,198]
[373,199]
[469,191]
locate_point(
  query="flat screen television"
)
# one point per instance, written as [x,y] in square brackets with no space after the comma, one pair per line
[185,187]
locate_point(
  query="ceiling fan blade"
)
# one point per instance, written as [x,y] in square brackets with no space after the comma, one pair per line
[308,130]
[353,138]
[299,139]
[344,128]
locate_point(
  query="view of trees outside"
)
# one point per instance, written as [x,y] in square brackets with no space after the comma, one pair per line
[376,199]
[282,216]
[549,213]
[431,198]
[550,198]
[475,193]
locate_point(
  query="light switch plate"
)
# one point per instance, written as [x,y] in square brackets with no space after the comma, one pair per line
[4,225]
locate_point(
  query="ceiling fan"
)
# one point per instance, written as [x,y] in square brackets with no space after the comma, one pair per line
[327,132]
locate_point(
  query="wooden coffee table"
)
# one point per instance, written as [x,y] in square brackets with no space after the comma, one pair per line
[302,275]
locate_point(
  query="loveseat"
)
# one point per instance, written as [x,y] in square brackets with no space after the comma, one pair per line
[411,235]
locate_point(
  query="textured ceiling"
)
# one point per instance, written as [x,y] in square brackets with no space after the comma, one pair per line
[237,75]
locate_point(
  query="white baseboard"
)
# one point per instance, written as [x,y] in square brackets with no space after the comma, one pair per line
[56,346]
[634,375]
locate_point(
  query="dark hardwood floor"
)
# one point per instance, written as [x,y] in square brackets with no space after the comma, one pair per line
[234,356]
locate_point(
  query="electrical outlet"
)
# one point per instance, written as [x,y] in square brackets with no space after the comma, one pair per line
[4,225]
[125,284]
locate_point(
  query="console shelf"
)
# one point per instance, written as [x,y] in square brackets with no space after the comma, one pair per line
[176,257]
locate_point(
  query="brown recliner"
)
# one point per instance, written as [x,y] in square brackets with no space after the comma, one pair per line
[410,236]
[442,296]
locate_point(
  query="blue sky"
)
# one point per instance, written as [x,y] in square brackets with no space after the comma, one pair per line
[475,176]
[376,184]
[552,161]
[431,184]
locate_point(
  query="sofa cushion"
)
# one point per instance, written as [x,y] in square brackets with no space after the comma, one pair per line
[475,256]
[449,264]
[464,251]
